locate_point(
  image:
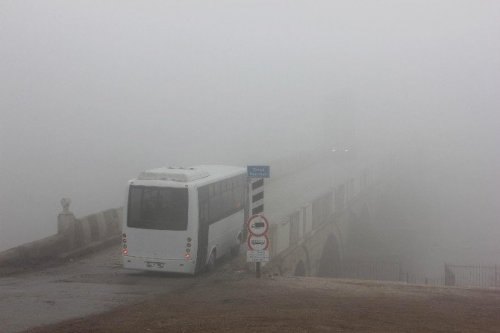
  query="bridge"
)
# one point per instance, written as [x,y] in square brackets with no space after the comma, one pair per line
[313,240]
[318,207]
[321,207]
[311,202]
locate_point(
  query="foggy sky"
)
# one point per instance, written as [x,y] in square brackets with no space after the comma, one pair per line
[93,92]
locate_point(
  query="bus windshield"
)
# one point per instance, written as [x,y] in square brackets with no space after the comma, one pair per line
[159,208]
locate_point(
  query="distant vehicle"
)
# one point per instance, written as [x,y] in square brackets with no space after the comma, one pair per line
[346,153]
[183,219]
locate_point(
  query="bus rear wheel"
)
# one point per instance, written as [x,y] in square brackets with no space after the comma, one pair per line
[211,262]
[235,250]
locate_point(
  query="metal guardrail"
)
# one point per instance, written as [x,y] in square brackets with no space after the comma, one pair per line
[480,276]
[472,276]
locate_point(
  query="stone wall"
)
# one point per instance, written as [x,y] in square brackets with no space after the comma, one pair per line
[302,235]
[74,236]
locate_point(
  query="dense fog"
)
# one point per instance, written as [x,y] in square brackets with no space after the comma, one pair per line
[93,92]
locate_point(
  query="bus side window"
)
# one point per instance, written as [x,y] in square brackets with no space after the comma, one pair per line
[203,204]
[204,213]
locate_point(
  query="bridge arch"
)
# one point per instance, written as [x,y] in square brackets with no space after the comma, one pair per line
[300,265]
[365,214]
[330,260]
[300,269]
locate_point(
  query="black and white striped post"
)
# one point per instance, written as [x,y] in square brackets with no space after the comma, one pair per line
[257,173]
[257,196]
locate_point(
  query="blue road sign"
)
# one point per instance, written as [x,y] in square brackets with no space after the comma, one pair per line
[259,171]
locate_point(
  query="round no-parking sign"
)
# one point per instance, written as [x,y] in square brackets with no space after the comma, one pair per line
[257,225]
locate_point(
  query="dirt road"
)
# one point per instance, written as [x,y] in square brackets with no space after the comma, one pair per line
[92,284]
[237,302]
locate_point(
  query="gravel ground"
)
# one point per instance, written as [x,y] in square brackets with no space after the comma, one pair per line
[229,301]
[53,292]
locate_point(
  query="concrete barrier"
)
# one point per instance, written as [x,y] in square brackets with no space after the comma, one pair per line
[74,236]
[27,253]
[96,228]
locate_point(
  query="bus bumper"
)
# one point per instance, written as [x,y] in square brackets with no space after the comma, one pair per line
[159,265]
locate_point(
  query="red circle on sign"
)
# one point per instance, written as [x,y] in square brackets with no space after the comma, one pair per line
[266,224]
[250,246]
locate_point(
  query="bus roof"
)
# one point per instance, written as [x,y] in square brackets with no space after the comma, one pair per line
[195,175]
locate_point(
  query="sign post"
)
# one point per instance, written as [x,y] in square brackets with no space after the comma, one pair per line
[257,241]
[257,224]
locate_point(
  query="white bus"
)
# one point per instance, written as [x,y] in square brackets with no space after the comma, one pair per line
[183,219]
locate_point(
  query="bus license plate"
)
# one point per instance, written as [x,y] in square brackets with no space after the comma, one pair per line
[154,264]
